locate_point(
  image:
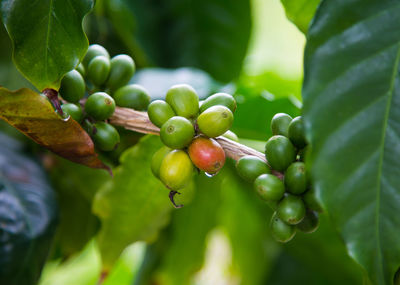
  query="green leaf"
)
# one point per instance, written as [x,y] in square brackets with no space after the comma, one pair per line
[212,34]
[33,115]
[28,215]
[301,12]
[47,37]
[351,107]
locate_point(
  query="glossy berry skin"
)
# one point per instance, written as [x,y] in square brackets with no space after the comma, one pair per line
[81,69]
[122,70]
[159,112]
[280,124]
[93,51]
[291,210]
[157,159]
[280,152]
[176,170]
[281,231]
[207,155]
[269,187]
[295,178]
[132,96]
[223,99]
[310,222]
[105,136]
[98,70]
[296,132]
[73,110]
[250,167]
[100,106]
[183,100]
[231,135]
[177,132]
[215,121]
[72,87]
[311,201]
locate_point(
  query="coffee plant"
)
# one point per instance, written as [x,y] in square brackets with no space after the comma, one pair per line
[138,121]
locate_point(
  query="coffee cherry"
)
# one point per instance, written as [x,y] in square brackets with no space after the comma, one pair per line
[81,69]
[295,178]
[215,121]
[250,167]
[98,70]
[159,112]
[291,210]
[231,135]
[296,132]
[105,136]
[269,187]
[122,70]
[177,132]
[280,124]
[176,170]
[100,106]
[302,153]
[219,99]
[93,51]
[310,222]
[311,201]
[207,155]
[184,100]
[72,87]
[75,111]
[132,96]
[281,231]
[157,159]
[280,152]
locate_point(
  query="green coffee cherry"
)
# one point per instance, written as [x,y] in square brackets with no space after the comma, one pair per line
[157,159]
[98,70]
[296,132]
[184,100]
[176,170]
[81,69]
[100,106]
[291,210]
[122,70]
[281,231]
[177,132]
[215,121]
[72,87]
[219,99]
[231,135]
[75,111]
[280,152]
[250,167]
[269,187]
[295,178]
[93,51]
[132,96]
[280,124]
[302,153]
[311,201]
[105,136]
[310,222]
[159,112]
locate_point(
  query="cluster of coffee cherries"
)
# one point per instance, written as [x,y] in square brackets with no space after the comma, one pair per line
[104,83]
[187,128]
[291,197]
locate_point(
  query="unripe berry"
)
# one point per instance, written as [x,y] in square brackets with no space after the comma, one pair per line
[223,99]
[311,201]
[157,159]
[250,167]
[159,112]
[100,106]
[184,100]
[310,222]
[291,210]
[105,136]
[296,132]
[295,178]
[132,96]
[215,121]
[93,51]
[280,152]
[231,135]
[122,70]
[72,87]
[280,124]
[176,170]
[98,70]
[302,153]
[207,155]
[81,69]
[75,111]
[281,231]
[177,132]
[269,187]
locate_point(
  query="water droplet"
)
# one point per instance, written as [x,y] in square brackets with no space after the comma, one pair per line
[65,118]
[210,174]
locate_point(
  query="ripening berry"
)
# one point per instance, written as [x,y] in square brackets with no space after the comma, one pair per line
[176,170]
[72,87]
[100,106]
[280,124]
[105,136]
[291,210]
[132,96]
[184,100]
[177,132]
[281,231]
[280,152]
[269,187]
[207,155]
[215,121]
[157,159]
[121,71]
[250,167]
[223,99]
